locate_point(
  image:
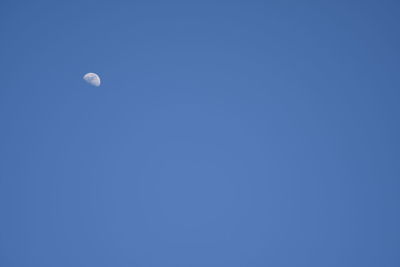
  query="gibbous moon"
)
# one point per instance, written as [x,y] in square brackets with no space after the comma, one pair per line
[92,78]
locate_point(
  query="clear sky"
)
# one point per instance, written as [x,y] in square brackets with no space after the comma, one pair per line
[224,134]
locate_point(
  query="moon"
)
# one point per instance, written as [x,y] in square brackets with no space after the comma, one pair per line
[92,78]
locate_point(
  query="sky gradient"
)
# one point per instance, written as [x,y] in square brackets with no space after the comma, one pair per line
[224,134]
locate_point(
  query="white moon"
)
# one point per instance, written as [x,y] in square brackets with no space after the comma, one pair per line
[92,78]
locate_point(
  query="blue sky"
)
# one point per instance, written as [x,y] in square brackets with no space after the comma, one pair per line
[225,133]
